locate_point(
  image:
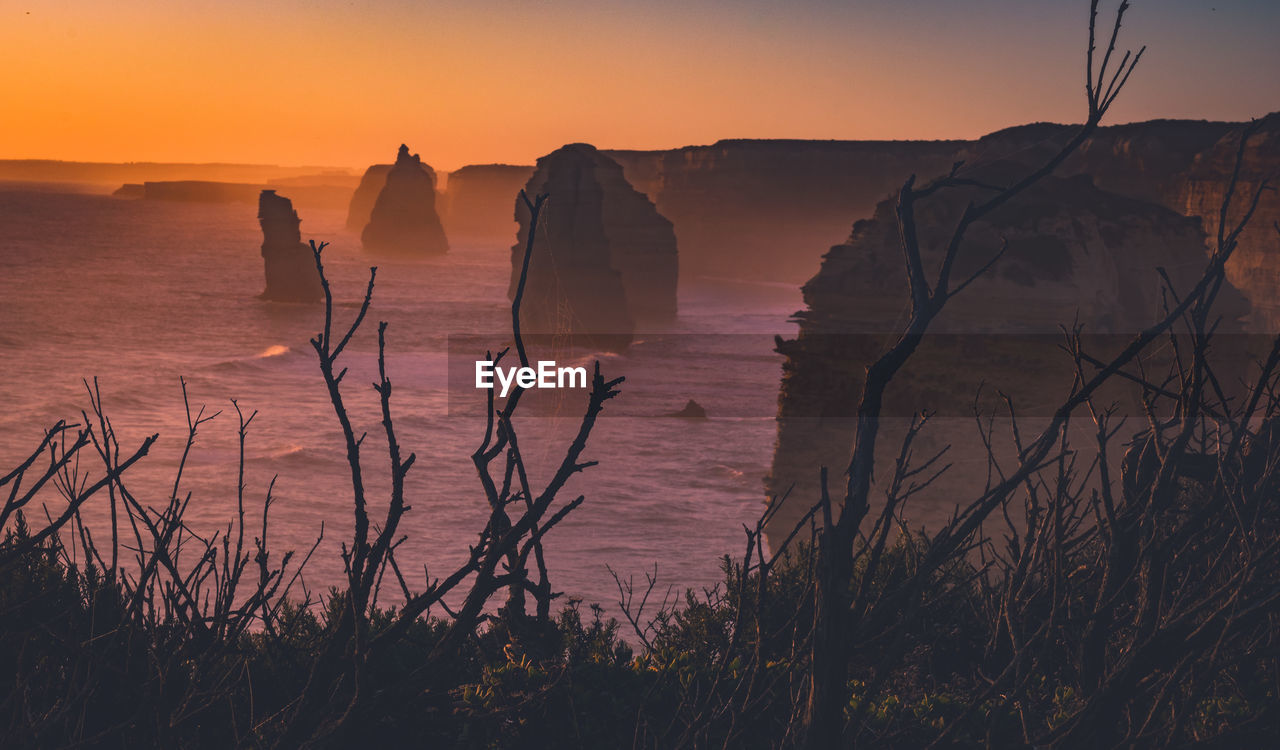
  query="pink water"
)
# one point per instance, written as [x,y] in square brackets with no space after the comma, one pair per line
[140,293]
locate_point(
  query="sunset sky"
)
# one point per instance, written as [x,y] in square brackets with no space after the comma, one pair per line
[343,82]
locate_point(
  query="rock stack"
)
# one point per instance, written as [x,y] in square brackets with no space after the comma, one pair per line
[604,259]
[289,263]
[403,220]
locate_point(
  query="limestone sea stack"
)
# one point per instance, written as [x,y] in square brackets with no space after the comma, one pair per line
[604,259]
[289,263]
[366,194]
[1076,254]
[403,220]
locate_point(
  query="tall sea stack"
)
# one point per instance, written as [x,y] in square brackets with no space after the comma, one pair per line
[404,219]
[289,263]
[604,259]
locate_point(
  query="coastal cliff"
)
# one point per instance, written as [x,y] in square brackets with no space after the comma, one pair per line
[761,208]
[1076,253]
[288,262]
[757,209]
[403,220]
[1255,265]
[476,204]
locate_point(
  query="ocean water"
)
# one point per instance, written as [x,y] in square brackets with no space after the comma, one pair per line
[140,294]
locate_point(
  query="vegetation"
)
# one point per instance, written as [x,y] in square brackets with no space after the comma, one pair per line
[1089,595]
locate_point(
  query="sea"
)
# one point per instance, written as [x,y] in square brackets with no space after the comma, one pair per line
[141,296]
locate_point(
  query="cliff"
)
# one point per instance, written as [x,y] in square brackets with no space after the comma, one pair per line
[403,219]
[477,201]
[1255,265]
[289,264]
[314,192]
[758,209]
[604,258]
[1185,166]
[1075,253]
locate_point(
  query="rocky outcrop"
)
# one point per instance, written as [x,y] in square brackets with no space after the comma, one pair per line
[1075,253]
[691,410]
[1255,264]
[403,220]
[604,259]
[477,202]
[1185,166]
[289,263]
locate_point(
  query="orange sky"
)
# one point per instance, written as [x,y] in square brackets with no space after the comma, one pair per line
[331,82]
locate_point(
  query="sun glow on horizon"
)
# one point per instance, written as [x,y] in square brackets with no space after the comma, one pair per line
[342,84]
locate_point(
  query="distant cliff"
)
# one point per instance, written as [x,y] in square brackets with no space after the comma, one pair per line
[316,192]
[758,209]
[604,258]
[477,202]
[403,220]
[764,209]
[288,262]
[1076,253]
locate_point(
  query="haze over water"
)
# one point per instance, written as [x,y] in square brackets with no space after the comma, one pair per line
[140,293]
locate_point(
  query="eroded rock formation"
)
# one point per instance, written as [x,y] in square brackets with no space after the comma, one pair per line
[604,259]
[477,202]
[1076,253]
[403,219]
[289,263]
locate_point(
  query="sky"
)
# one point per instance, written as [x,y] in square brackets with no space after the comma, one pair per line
[344,82]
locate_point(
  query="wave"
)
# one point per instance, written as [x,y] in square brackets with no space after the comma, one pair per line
[275,350]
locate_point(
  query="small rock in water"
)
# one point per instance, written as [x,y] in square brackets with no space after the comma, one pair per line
[691,410]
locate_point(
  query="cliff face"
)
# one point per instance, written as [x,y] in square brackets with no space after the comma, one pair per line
[404,220]
[758,209]
[604,258]
[1185,166]
[1075,253]
[289,263]
[761,208]
[1255,264]
[477,202]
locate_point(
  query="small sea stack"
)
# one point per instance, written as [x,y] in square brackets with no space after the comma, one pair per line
[604,259]
[289,263]
[403,220]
